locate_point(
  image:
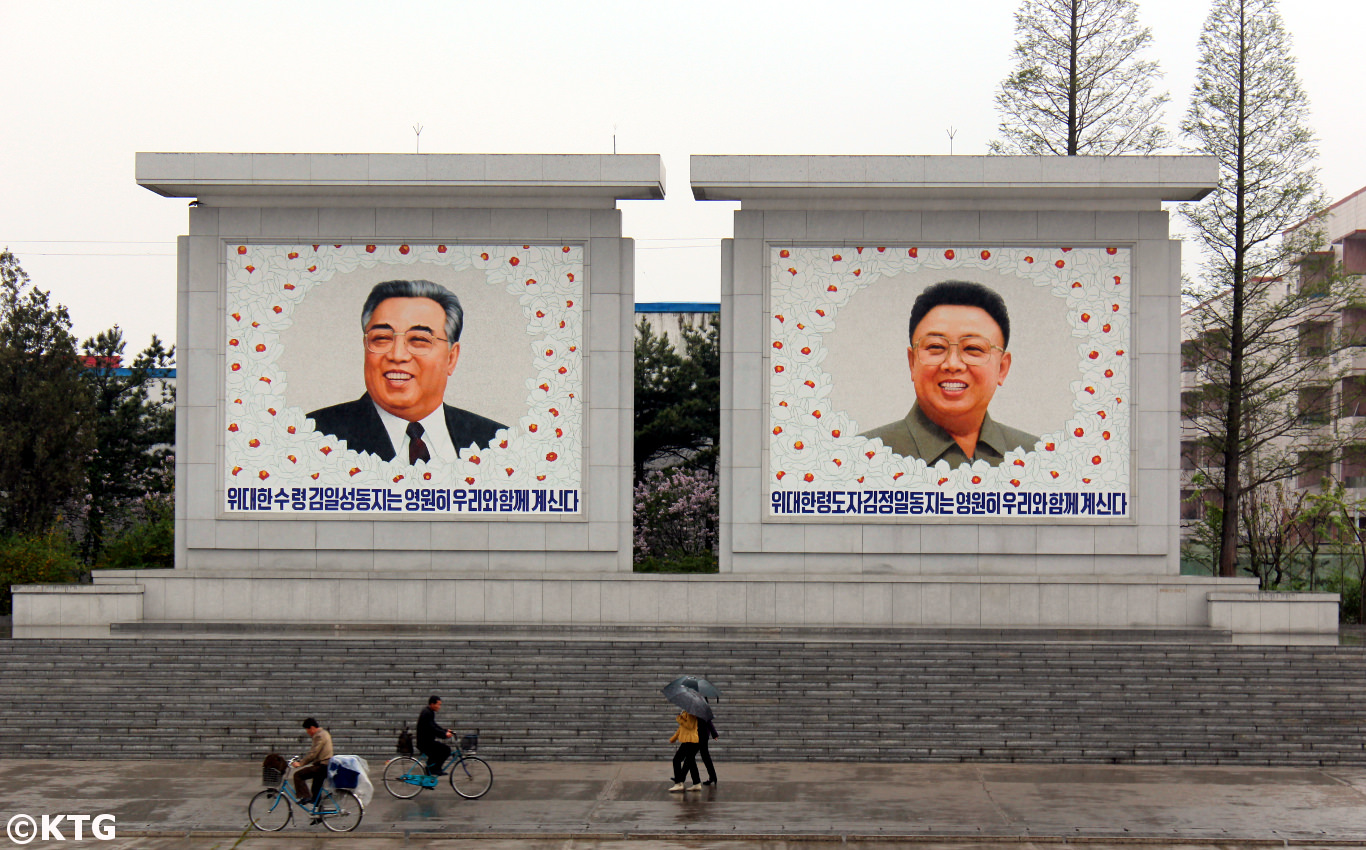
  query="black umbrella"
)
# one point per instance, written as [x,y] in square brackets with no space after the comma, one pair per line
[697,683]
[688,700]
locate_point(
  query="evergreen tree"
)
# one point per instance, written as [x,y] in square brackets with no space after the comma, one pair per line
[134,423]
[1079,86]
[677,398]
[1250,113]
[44,406]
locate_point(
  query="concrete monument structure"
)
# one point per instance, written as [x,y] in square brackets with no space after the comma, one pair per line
[1072,523]
[405,398]
[297,496]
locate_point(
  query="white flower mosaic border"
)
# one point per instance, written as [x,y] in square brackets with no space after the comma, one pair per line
[271,443]
[812,447]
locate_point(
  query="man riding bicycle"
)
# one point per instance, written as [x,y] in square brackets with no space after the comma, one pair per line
[314,764]
[430,737]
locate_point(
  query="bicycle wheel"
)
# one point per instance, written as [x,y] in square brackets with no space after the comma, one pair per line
[340,810]
[270,810]
[471,777]
[403,777]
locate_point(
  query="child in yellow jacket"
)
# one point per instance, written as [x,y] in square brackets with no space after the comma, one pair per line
[685,757]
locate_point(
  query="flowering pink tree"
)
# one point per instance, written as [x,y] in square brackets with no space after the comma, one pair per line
[675,514]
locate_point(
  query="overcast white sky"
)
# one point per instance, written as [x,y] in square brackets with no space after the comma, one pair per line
[84,85]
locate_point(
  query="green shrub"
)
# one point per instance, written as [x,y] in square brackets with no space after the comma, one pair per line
[1350,607]
[145,545]
[703,563]
[39,559]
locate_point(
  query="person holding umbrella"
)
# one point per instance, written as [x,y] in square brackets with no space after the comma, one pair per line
[706,726]
[706,729]
[685,757]
[684,693]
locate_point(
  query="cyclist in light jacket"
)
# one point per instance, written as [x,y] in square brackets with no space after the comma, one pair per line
[314,764]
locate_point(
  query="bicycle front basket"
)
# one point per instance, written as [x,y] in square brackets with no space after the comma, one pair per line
[470,743]
[272,777]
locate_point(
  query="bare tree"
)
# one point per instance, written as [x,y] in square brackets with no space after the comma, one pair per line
[1249,111]
[1273,520]
[1317,534]
[1079,85]
[1286,401]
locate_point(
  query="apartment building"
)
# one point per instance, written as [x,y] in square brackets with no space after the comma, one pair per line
[1312,337]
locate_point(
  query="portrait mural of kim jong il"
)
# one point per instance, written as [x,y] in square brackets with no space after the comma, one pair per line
[412,344]
[959,333]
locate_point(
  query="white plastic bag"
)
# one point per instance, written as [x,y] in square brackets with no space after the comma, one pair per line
[364,789]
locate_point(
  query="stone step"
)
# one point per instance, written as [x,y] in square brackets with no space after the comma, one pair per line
[931,634]
[539,698]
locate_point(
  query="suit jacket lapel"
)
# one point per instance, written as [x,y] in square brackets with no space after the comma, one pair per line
[370,433]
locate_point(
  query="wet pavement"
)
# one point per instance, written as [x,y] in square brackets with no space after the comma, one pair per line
[194,805]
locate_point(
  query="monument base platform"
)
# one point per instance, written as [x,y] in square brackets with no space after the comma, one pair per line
[163,630]
[125,603]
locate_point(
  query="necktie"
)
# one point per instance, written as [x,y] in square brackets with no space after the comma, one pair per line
[417,450]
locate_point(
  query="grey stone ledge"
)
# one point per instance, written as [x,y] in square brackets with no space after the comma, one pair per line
[80,589]
[762,179]
[109,578]
[280,179]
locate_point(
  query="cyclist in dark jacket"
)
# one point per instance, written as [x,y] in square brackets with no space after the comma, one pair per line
[430,737]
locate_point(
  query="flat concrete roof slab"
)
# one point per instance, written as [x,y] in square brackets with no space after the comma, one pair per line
[292,177]
[911,178]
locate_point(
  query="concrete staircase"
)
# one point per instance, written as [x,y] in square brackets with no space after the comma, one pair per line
[844,698]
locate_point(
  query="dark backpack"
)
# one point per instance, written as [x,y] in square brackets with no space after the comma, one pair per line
[405,741]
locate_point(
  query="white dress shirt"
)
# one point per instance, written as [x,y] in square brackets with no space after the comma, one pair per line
[434,434]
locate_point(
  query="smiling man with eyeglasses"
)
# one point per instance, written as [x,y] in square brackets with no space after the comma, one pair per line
[959,333]
[412,343]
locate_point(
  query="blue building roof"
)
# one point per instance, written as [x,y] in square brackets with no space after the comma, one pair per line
[124,372]
[678,307]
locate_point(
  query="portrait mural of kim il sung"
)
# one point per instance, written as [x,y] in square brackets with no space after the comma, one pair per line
[404,379]
[949,381]
[412,345]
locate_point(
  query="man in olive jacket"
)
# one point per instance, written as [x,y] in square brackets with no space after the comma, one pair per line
[314,765]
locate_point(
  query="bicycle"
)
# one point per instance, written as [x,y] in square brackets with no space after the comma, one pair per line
[340,810]
[470,776]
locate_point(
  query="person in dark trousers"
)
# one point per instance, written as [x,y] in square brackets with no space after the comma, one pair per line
[430,737]
[706,730]
[685,758]
[314,764]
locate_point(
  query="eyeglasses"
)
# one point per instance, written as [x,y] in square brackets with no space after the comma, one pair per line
[418,343]
[972,350]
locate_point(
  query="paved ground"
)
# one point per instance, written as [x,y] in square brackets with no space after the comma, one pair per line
[541,805]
